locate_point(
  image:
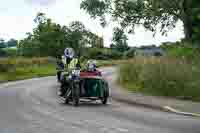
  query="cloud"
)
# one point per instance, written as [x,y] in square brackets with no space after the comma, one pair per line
[15,26]
[41,2]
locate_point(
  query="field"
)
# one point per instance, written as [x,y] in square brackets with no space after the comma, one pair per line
[24,68]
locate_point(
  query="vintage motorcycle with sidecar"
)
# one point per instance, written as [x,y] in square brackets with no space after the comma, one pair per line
[84,85]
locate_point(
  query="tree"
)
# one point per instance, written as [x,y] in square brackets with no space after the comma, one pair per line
[99,43]
[94,41]
[47,39]
[196,21]
[149,13]
[80,37]
[77,36]
[12,43]
[2,43]
[119,40]
[50,39]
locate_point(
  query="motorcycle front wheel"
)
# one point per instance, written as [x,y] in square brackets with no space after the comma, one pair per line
[76,94]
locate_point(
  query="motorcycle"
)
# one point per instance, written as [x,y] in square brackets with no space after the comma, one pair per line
[70,84]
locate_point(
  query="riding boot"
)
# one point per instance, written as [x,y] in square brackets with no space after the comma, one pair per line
[62,90]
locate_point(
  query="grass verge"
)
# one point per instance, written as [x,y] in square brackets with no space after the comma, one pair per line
[164,76]
[28,72]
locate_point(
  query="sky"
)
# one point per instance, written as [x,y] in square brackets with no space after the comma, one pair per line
[16,19]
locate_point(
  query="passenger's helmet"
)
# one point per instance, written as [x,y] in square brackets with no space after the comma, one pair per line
[91,65]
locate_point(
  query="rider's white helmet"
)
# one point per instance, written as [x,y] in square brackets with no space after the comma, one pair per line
[69,53]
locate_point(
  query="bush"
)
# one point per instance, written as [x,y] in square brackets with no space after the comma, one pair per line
[102,54]
[3,53]
[115,54]
[130,53]
[162,76]
[182,49]
[11,52]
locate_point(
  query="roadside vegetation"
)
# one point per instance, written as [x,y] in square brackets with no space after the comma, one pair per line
[175,75]
[23,68]
[20,68]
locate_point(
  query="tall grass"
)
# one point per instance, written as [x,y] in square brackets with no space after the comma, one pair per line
[101,63]
[164,76]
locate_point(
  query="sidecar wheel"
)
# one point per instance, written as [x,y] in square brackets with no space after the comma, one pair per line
[66,101]
[75,102]
[104,100]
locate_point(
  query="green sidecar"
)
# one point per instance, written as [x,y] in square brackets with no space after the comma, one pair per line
[87,87]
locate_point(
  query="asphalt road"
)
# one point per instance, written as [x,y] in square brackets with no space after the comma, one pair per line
[32,106]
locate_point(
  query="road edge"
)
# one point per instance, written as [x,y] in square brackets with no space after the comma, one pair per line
[156,107]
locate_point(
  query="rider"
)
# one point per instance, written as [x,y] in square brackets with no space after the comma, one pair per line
[60,67]
[72,63]
[92,68]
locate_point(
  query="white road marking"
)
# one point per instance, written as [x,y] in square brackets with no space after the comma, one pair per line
[122,130]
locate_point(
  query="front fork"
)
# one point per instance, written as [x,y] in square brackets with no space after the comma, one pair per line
[75,88]
[75,92]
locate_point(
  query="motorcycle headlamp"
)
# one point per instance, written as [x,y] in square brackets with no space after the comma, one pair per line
[76,72]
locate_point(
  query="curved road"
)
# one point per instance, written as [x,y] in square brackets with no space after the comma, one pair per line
[32,106]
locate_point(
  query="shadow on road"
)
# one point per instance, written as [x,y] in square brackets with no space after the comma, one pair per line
[90,104]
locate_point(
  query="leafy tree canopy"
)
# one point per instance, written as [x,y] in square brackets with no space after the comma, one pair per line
[50,39]
[119,40]
[149,13]
[12,43]
[2,43]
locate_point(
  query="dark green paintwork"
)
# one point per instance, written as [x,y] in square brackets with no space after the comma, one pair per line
[95,87]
